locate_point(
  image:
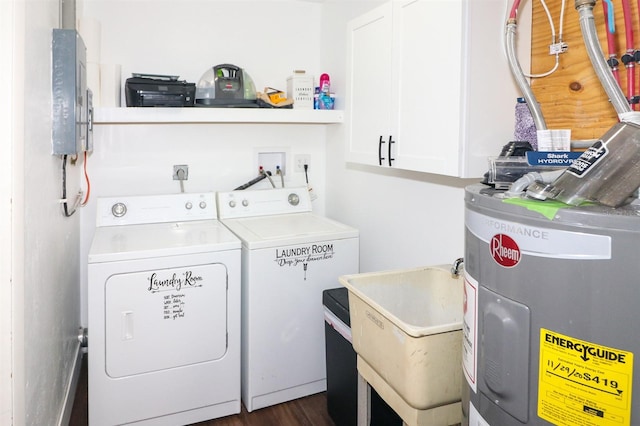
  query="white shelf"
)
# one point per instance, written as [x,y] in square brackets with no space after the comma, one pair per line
[200,115]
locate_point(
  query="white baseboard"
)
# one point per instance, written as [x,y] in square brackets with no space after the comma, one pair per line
[70,394]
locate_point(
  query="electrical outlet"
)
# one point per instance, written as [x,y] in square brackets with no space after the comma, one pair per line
[180,172]
[300,161]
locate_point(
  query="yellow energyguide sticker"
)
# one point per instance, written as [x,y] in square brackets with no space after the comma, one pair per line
[582,383]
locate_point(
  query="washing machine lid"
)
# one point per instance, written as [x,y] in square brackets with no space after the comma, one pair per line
[295,228]
[130,242]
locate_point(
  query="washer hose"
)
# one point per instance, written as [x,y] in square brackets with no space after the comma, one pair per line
[520,185]
[521,81]
[596,55]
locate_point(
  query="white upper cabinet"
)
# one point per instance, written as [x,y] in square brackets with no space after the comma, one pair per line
[369,92]
[429,86]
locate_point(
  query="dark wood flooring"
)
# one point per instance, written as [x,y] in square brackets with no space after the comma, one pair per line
[308,411]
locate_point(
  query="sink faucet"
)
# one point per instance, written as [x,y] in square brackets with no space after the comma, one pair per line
[457,265]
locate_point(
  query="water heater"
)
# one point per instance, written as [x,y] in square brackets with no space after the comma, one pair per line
[550,313]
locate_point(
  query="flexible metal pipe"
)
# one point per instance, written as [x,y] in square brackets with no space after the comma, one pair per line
[519,186]
[590,36]
[520,78]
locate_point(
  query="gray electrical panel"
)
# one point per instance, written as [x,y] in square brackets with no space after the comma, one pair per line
[71,101]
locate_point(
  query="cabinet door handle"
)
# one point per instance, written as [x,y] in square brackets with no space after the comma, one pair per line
[380,157]
[391,141]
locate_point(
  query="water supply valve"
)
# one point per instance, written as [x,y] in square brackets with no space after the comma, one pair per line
[557,48]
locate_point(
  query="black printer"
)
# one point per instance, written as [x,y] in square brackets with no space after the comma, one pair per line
[154,90]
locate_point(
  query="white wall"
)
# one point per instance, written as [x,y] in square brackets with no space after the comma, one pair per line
[46,265]
[11,132]
[406,219]
[269,39]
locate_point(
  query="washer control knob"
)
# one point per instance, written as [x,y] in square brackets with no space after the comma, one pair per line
[293,199]
[203,205]
[118,209]
[188,205]
[232,204]
[245,202]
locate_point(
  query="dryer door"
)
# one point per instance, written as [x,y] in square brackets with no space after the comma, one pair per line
[165,318]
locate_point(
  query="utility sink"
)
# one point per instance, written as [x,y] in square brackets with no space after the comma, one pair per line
[406,327]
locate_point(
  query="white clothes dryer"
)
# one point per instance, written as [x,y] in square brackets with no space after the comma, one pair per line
[163,312]
[289,256]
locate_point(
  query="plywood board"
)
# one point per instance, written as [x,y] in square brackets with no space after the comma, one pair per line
[572,97]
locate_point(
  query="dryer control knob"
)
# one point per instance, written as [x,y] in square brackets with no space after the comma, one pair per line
[294,199]
[245,203]
[232,204]
[203,205]
[188,205]
[118,209]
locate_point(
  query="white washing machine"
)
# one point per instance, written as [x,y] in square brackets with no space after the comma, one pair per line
[163,312]
[289,256]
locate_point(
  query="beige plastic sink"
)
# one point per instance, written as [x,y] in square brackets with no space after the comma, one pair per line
[406,326]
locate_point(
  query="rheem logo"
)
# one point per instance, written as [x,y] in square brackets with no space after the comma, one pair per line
[504,250]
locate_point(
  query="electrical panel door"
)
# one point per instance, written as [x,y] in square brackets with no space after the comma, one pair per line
[71,101]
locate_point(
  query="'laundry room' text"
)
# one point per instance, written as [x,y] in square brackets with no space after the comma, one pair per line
[292,256]
[173,283]
[304,251]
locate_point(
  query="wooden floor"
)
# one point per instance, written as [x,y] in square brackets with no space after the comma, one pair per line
[309,411]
